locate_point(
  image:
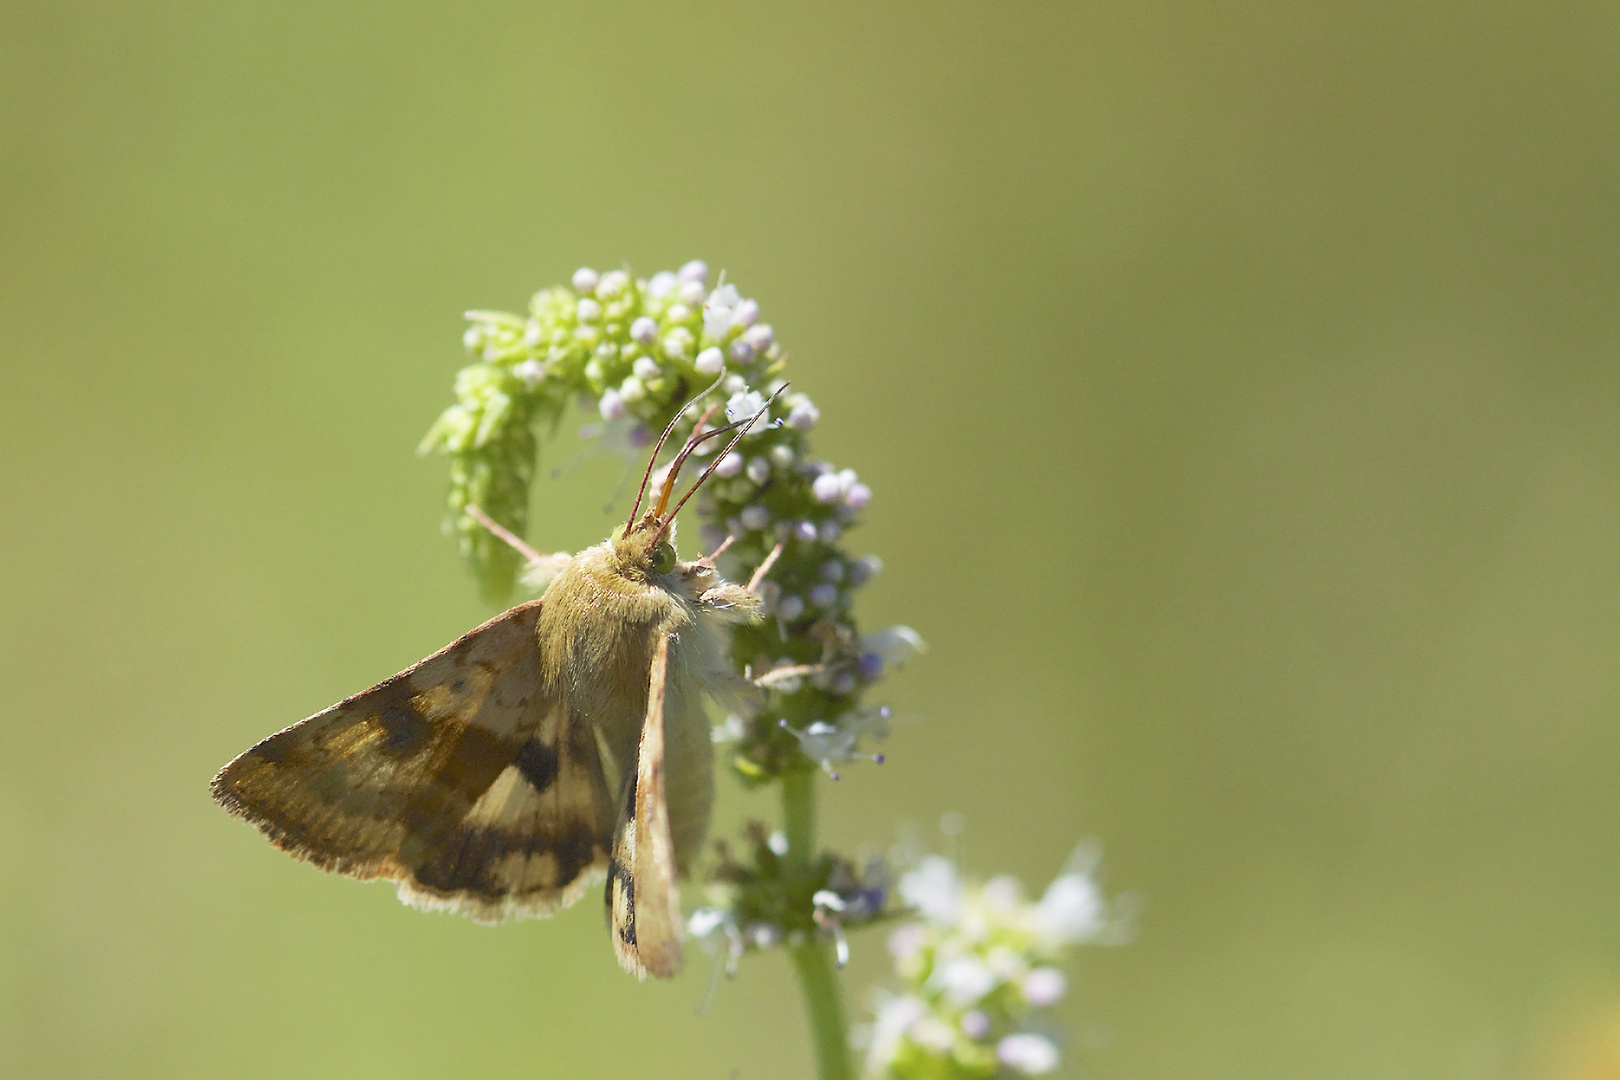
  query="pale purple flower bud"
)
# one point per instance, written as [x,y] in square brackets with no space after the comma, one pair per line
[612,406]
[691,292]
[710,361]
[759,337]
[824,595]
[1032,1055]
[697,270]
[729,466]
[661,285]
[585,281]
[611,284]
[832,570]
[759,470]
[858,496]
[755,517]
[678,313]
[531,372]
[589,310]
[645,367]
[804,415]
[741,352]
[805,531]
[975,1025]
[782,456]
[826,489]
[734,385]
[1044,987]
[864,569]
[632,389]
[747,312]
[829,532]
[644,330]
[790,607]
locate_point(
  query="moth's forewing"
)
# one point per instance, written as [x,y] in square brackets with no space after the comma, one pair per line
[643,902]
[452,778]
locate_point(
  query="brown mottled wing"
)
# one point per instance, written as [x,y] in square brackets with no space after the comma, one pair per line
[643,903]
[454,779]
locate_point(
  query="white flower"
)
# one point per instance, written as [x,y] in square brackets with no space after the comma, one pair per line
[585,281]
[934,889]
[1071,911]
[705,921]
[894,645]
[531,372]
[661,285]
[710,361]
[1044,987]
[632,389]
[895,1018]
[826,488]
[964,980]
[743,405]
[803,414]
[1030,1054]
[676,342]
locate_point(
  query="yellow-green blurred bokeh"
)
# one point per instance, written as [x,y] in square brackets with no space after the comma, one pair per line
[1238,384]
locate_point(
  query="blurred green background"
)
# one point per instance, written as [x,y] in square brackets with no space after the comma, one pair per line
[1238,385]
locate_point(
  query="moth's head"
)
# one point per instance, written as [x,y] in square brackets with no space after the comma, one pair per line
[645,548]
[647,545]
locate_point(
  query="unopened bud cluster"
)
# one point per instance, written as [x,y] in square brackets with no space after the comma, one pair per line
[633,351]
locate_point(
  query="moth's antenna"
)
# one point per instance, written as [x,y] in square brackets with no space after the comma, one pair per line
[680,459]
[742,426]
[653,458]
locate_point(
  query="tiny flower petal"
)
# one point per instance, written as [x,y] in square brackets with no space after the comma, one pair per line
[717,321]
[934,889]
[1071,910]
[895,645]
[1032,1055]
[743,405]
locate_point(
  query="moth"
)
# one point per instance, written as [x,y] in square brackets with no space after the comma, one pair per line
[561,743]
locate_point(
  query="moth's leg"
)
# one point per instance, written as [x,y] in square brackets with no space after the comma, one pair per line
[538,569]
[764,568]
[708,560]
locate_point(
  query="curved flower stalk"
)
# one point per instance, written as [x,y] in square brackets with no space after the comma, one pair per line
[631,352]
[978,967]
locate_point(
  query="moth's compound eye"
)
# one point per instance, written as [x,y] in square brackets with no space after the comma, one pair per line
[663,558]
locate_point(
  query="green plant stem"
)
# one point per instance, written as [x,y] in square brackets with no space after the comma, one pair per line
[818,977]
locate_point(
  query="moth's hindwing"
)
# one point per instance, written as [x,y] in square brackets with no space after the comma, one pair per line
[455,778]
[643,903]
